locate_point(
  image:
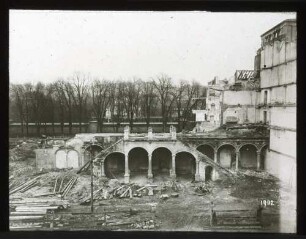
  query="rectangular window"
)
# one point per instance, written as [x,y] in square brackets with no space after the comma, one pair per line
[265,117]
[265,97]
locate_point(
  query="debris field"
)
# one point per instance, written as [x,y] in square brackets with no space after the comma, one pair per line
[61,200]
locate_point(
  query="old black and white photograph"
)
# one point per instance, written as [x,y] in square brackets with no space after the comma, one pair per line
[152,121]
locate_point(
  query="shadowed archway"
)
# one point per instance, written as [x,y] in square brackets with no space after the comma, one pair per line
[263,156]
[185,165]
[227,155]
[114,164]
[208,173]
[207,150]
[95,149]
[248,156]
[138,162]
[161,162]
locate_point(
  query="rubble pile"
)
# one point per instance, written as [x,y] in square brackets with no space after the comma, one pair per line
[258,174]
[204,188]
[23,151]
[114,189]
[146,224]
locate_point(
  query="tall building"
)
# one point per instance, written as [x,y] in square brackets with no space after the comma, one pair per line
[276,104]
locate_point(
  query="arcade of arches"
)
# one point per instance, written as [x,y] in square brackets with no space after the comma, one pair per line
[162,162]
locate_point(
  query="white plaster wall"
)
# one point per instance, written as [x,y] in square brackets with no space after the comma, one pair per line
[278,53]
[283,117]
[251,114]
[282,167]
[278,94]
[202,170]
[239,97]
[283,142]
[290,73]
[291,94]
[281,74]
[290,51]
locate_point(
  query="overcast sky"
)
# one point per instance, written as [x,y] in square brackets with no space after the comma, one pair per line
[46,45]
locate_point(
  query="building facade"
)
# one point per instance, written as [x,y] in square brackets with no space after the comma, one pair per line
[276,104]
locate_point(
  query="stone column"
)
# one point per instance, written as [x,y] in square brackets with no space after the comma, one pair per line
[214,172]
[173,132]
[150,133]
[127,172]
[102,168]
[258,159]
[237,158]
[150,174]
[197,174]
[66,154]
[126,132]
[173,173]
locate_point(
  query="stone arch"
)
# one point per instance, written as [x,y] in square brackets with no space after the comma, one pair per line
[114,164]
[73,159]
[247,143]
[208,173]
[227,143]
[105,156]
[226,155]
[138,161]
[185,165]
[248,156]
[207,149]
[161,161]
[263,156]
[60,159]
[96,149]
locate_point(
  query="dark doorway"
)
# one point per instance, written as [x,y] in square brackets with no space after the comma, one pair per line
[248,157]
[95,149]
[263,156]
[138,162]
[185,165]
[227,156]
[208,173]
[114,165]
[161,161]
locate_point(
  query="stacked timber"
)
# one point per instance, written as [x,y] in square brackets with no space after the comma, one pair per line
[30,213]
[26,186]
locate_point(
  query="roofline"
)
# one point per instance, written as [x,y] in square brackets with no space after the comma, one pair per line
[281,23]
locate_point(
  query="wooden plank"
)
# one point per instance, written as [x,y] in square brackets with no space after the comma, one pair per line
[27,213]
[17,218]
[24,185]
[55,184]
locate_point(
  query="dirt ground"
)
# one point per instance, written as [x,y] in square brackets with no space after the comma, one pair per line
[187,210]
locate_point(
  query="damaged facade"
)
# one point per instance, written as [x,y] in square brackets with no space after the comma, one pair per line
[277,98]
[193,156]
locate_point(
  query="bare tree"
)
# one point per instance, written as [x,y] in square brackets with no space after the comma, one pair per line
[192,91]
[101,98]
[132,99]
[166,97]
[148,98]
[38,105]
[65,93]
[79,93]
[179,98]
[18,94]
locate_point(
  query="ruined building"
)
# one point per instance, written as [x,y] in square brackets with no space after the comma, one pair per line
[261,98]
[277,98]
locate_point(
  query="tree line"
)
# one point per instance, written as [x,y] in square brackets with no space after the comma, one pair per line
[80,98]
